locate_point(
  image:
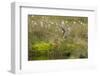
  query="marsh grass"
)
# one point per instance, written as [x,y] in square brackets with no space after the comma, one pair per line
[57,37]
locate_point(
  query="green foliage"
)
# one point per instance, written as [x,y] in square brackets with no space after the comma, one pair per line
[42,46]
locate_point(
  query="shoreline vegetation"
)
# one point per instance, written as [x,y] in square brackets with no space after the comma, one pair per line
[57,37]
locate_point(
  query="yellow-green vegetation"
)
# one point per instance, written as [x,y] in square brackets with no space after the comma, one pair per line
[41,46]
[57,37]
